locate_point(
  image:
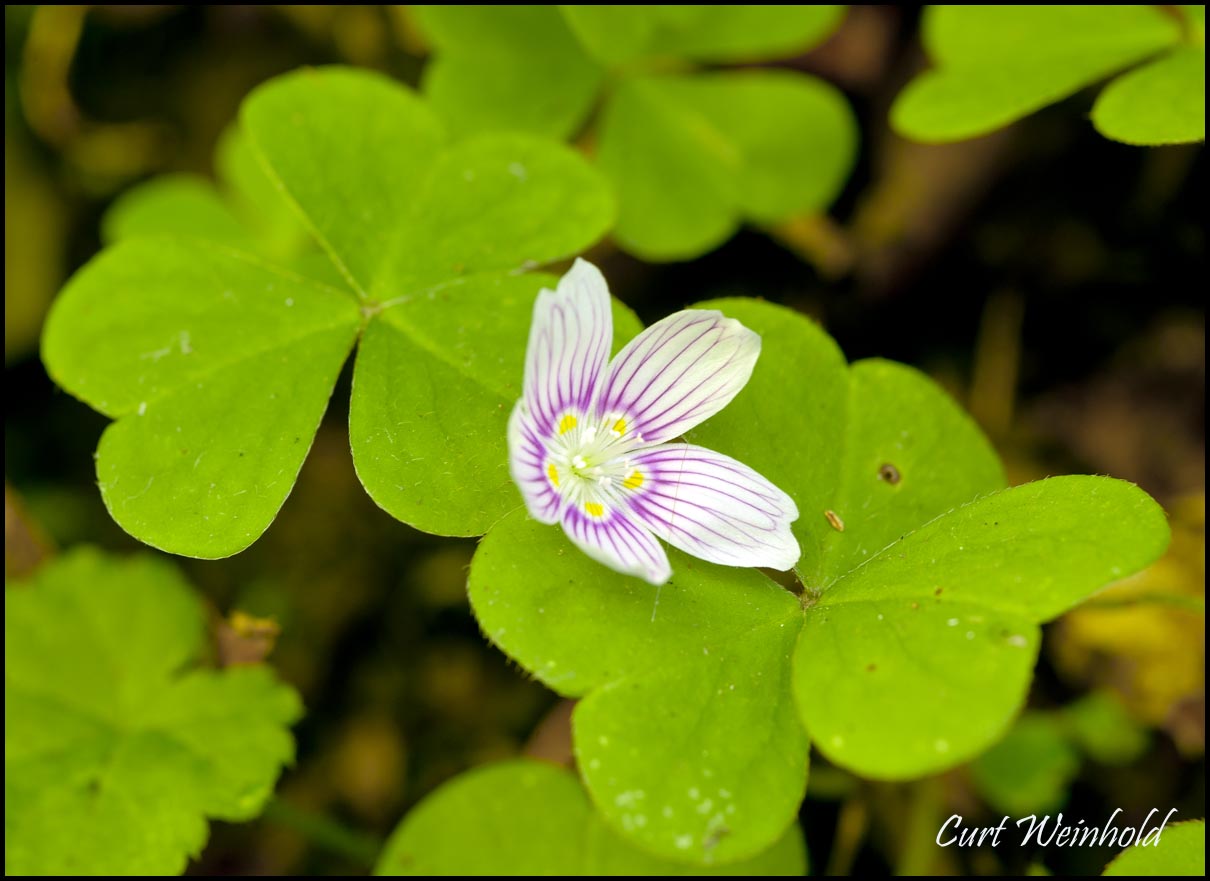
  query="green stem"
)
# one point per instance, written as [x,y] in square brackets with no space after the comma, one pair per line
[325,833]
[919,849]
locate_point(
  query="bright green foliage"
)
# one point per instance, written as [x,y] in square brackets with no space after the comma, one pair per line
[618,34]
[690,155]
[507,68]
[245,207]
[1181,851]
[695,696]
[181,204]
[530,818]
[1161,103]
[117,746]
[214,336]
[1030,770]
[996,64]
[1100,726]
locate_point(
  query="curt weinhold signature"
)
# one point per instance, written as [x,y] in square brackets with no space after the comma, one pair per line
[1078,834]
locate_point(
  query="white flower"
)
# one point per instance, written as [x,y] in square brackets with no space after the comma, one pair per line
[589,442]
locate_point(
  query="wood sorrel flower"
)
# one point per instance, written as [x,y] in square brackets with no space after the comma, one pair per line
[589,440]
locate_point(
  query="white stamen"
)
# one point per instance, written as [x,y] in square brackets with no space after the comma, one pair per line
[578,462]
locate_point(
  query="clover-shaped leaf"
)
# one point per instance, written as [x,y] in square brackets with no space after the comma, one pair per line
[691,155]
[1180,851]
[997,64]
[217,355]
[922,584]
[117,746]
[524,817]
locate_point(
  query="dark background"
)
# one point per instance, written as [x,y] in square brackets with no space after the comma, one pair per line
[1046,276]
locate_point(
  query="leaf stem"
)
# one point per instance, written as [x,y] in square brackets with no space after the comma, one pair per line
[324,832]
[851,828]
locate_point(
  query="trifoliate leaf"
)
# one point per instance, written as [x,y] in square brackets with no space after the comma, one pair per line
[695,695]
[117,747]
[691,155]
[218,364]
[996,64]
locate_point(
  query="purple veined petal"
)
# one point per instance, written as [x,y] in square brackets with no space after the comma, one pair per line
[568,346]
[713,507]
[529,463]
[676,374]
[614,537]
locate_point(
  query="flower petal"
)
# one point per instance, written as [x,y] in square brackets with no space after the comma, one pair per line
[677,373]
[529,462]
[568,346]
[614,537]
[714,507]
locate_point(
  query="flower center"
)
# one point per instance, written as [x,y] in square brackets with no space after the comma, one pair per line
[590,462]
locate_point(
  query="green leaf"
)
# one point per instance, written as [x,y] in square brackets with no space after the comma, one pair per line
[1035,550]
[524,817]
[750,32]
[218,366]
[1030,770]
[257,200]
[688,720]
[180,205]
[996,64]
[1104,731]
[690,691]
[117,747]
[878,444]
[1163,102]
[507,68]
[616,34]
[351,149]
[434,385]
[218,369]
[1181,850]
[691,156]
[889,665]
[892,690]
[494,202]
[247,208]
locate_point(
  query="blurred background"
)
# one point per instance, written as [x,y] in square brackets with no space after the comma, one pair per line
[1046,276]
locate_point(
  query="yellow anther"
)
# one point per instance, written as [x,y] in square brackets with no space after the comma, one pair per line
[567,423]
[596,509]
[553,473]
[619,427]
[634,481]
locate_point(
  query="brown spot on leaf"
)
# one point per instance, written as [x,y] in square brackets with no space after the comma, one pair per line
[889,473]
[835,520]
